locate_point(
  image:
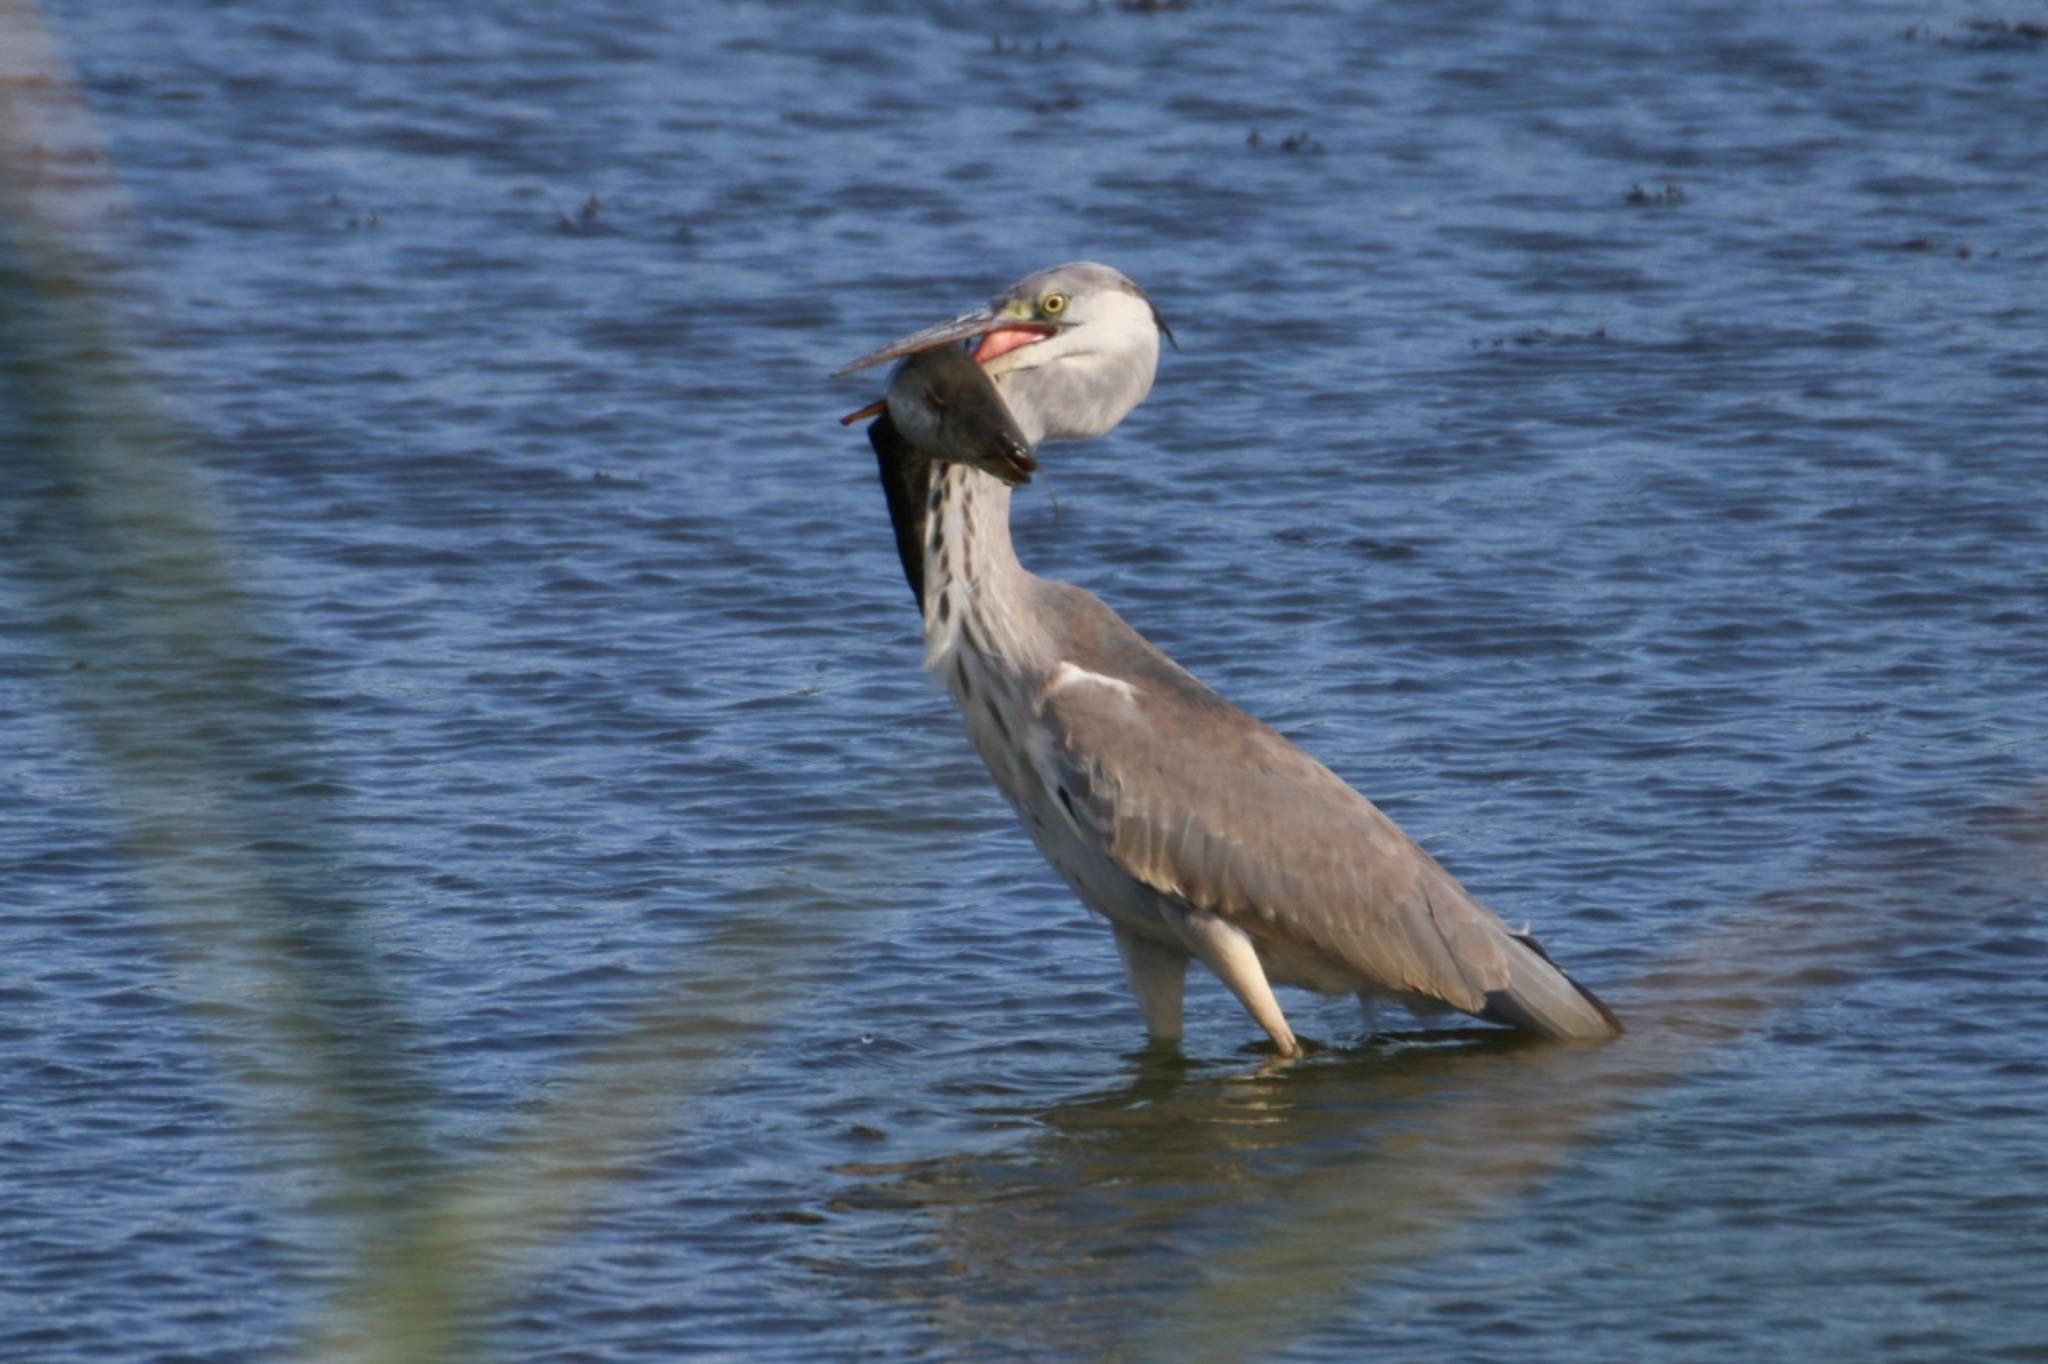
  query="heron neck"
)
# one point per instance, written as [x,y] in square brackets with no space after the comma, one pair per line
[974,585]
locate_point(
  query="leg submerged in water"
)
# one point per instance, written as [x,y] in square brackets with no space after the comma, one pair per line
[1158,977]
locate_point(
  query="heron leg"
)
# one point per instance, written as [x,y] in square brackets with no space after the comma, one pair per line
[1157,974]
[1224,949]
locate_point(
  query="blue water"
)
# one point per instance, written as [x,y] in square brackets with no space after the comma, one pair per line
[482,873]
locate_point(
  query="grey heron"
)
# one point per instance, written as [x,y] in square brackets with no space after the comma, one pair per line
[1196,830]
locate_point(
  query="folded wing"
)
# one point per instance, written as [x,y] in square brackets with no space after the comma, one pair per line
[1204,804]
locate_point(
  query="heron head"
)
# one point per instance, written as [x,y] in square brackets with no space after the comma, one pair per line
[1071,349]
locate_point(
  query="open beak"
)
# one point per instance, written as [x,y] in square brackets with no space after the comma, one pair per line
[979,322]
[999,330]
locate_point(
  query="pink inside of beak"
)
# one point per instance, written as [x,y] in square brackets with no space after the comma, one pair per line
[1003,340]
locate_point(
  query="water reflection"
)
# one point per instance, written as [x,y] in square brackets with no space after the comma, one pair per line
[1205,1211]
[1237,1202]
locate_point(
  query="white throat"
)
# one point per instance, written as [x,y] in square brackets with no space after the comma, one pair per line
[1079,384]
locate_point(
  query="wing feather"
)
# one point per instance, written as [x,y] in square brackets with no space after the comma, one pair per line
[1200,802]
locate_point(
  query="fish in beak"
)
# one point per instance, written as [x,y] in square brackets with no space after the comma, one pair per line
[947,406]
[942,399]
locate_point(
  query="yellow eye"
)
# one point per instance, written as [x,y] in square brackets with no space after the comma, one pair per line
[1052,305]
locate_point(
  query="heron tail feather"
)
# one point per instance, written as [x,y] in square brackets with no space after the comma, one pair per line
[1540,998]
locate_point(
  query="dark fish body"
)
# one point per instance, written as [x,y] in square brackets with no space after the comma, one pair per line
[941,405]
[946,405]
[907,483]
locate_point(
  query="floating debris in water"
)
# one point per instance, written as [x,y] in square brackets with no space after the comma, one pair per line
[1963,250]
[1538,336]
[1989,34]
[587,221]
[1303,141]
[1017,47]
[1666,197]
[355,222]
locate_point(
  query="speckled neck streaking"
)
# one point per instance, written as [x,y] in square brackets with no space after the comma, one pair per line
[973,582]
[952,526]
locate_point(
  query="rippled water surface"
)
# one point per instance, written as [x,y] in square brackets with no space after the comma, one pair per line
[483,871]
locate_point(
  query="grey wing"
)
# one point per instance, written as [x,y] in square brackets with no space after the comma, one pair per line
[1197,800]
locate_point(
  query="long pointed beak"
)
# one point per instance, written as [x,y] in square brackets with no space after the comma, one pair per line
[975,323]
